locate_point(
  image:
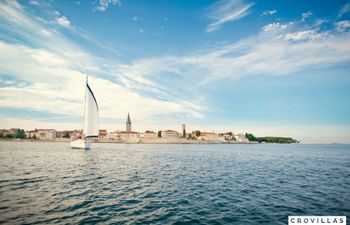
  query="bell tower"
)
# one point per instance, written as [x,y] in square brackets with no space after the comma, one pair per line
[128,124]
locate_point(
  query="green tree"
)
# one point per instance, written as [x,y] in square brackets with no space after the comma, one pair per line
[197,133]
[66,136]
[159,133]
[1,135]
[9,135]
[34,137]
[280,140]
[20,134]
[250,137]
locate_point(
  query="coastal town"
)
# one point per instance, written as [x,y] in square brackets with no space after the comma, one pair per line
[129,136]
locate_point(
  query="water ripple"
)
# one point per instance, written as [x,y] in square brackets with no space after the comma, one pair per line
[49,183]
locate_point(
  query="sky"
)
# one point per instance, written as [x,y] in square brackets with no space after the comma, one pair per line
[271,68]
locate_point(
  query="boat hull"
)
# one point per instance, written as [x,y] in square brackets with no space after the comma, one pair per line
[80,144]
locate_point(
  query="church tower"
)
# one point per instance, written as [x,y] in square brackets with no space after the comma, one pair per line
[128,124]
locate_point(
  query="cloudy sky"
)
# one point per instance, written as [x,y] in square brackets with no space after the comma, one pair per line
[268,67]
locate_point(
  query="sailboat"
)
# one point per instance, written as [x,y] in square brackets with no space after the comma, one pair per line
[91,120]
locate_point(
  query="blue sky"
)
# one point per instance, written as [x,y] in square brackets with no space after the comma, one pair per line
[267,67]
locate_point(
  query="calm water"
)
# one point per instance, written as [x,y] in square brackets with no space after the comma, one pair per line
[48,183]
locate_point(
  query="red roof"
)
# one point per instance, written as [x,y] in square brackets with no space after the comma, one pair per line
[170,131]
[13,130]
[67,131]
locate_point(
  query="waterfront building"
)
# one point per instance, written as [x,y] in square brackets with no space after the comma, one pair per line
[71,133]
[129,136]
[59,134]
[102,134]
[149,134]
[170,134]
[114,135]
[210,136]
[227,136]
[3,131]
[30,133]
[241,138]
[13,130]
[44,134]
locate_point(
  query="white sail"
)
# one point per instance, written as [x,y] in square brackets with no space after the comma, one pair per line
[91,117]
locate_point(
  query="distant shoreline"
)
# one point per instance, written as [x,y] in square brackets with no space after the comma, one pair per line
[162,141]
[173,142]
[191,142]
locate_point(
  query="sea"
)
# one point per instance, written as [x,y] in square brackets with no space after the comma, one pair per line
[50,183]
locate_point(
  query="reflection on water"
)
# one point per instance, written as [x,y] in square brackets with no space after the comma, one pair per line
[210,184]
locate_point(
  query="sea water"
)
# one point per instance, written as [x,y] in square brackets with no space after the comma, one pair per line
[50,183]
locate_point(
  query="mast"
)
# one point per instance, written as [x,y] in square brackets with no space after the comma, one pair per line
[86,83]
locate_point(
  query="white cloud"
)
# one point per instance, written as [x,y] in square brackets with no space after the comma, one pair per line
[141,30]
[344,10]
[57,89]
[303,35]
[45,32]
[33,29]
[104,4]
[320,22]
[306,15]
[52,77]
[227,11]
[149,88]
[274,27]
[12,11]
[280,49]
[342,26]
[63,21]
[33,2]
[269,12]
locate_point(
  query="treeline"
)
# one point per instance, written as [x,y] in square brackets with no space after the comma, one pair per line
[19,134]
[280,140]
